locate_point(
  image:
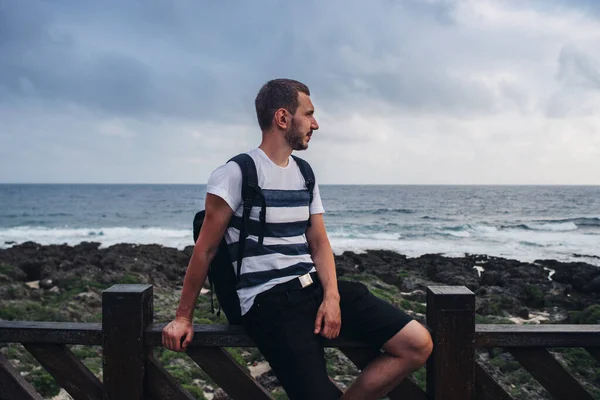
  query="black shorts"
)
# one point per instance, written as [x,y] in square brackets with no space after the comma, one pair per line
[281,323]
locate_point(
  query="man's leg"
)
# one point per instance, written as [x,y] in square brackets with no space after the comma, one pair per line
[407,343]
[282,328]
[404,353]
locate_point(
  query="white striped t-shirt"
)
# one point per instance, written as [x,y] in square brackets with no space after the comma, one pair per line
[284,254]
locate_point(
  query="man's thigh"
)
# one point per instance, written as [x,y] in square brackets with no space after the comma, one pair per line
[368,318]
[284,334]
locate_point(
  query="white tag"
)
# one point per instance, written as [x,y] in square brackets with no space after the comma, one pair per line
[305,280]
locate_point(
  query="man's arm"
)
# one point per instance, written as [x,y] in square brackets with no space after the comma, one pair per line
[329,313]
[218,214]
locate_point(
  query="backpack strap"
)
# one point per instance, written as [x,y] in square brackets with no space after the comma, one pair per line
[250,192]
[309,178]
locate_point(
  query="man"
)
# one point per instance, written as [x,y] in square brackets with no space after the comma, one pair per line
[289,294]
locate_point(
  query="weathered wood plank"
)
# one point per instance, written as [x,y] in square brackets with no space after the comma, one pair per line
[50,332]
[161,385]
[227,373]
[226,336]
[205,336]
[594,352]
[68,371]
[486,387]
[550,373]
[406,390]
[486,335]
[12,385]
[537,335]
[126,313]
[451,319]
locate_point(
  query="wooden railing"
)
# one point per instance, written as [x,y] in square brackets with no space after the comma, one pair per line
[130,371]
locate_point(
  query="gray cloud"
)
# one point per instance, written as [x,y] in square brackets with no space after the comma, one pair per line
[163,91]
[579,92]
[202,61]
[576,68]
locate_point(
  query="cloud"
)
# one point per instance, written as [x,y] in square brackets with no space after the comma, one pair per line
[470,91]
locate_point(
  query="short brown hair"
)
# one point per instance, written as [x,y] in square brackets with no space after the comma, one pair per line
[276,94]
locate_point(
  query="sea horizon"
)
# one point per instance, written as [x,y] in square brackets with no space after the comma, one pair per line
[320,184]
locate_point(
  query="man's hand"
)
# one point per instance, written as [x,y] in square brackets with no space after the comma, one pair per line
[173,333]
[329,318]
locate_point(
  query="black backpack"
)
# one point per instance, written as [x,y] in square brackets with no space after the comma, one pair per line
[223,280]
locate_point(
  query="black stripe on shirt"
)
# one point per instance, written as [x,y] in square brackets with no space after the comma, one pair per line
[252,249]
[257,278]
[278,230]
[284,198]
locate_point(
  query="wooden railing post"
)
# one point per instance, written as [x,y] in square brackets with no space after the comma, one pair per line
[451,367]
[127,310]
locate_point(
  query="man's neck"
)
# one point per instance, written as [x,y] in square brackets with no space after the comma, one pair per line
[278,153]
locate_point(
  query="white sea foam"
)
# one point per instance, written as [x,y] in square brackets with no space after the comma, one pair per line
[524,245]
[458,233]
[178,238]
[554,227]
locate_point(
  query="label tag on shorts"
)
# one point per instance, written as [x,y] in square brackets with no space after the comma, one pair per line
[305,280]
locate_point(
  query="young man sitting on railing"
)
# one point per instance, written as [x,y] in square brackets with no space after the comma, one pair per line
[289,295]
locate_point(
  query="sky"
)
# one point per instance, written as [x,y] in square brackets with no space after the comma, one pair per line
[406,92]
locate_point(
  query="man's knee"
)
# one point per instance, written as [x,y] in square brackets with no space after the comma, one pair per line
[413,343]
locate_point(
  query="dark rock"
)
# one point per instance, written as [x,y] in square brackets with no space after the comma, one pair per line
[576,274]
[268,380]
[86,247]
[523,313]
[110,261]
[34,269]
[594,285]
[89,298]
[410,284]
[65,265]
[504,287]
[14,292]
[46,284]
[220,395]
[17,274]
[492,278]
[534,296]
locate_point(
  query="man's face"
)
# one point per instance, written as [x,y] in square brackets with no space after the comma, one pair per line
[303,124]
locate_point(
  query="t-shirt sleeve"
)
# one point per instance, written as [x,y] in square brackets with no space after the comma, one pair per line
[226,182]
[316,207]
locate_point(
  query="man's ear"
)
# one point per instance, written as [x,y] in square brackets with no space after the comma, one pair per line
[282,118]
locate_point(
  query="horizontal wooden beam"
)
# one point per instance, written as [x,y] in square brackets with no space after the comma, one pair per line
[227,336]
[489,335]
[486,335]
[50,332]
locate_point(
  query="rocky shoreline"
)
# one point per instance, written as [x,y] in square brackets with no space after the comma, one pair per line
[63,283]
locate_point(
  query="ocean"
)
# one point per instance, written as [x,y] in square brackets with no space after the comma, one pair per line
[518,222]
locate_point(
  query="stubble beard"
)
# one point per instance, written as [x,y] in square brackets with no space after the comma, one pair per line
[295,138]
